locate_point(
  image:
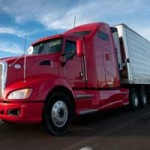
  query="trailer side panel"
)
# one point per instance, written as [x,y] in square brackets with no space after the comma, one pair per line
[137,56]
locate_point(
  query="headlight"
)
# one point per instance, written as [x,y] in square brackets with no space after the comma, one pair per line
[20,94]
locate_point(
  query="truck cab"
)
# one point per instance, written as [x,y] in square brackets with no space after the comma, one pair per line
[63,75]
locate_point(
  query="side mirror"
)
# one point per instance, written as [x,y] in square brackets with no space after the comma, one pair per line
[79,48]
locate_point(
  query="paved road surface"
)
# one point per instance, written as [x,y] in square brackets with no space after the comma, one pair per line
[118,129]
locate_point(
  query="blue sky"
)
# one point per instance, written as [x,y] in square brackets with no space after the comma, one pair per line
[35,19]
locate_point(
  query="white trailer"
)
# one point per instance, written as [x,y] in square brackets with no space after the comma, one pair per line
[135,56]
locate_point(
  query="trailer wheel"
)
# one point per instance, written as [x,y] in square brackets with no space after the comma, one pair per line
[134,99]
[58,114]
[143,98]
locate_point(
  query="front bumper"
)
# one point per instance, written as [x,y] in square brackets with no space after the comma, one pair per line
[21,112]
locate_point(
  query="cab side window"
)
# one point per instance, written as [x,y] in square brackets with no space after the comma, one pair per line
[70,48]
[103,36]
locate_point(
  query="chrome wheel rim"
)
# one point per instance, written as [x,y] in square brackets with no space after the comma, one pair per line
[59,113]
[136,101]
[144,99]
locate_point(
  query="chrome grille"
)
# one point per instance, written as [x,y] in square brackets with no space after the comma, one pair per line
[1,79]
[3,72]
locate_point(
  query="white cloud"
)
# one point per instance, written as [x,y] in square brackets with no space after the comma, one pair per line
[10,47]
[5,30]
[21,34]
[60,14]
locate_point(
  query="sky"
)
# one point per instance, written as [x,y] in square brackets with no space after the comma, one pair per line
[24,21]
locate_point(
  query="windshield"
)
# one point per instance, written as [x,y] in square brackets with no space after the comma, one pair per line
[46,47]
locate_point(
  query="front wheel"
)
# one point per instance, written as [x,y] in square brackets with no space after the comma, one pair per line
[58,114]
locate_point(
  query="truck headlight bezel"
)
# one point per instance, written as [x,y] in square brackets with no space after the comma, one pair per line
[20,94]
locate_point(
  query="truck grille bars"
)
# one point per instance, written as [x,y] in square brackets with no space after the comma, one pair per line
[1,67]
[3,72]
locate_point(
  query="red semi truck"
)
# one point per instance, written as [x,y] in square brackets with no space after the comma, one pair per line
[89,68]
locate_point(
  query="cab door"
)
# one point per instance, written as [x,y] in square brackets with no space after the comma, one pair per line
[73,65]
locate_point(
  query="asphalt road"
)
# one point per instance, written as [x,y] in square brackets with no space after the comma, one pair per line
[119,129]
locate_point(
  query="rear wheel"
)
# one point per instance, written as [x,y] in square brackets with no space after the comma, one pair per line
[58,114]
[143,98]
[134,99]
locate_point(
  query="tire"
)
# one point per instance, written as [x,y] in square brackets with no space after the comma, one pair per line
[134,100]
[58,114]
[143,98]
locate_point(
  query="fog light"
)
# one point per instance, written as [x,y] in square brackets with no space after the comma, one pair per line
[14,112]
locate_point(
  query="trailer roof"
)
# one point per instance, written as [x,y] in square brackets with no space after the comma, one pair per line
[125,26]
